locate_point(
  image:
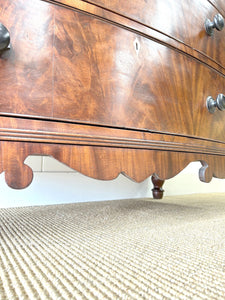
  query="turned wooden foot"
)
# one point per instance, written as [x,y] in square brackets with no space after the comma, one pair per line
[157,191]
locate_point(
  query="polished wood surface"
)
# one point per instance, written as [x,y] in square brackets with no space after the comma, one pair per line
[129,24]
[106,94]
[39,131]
[104,163]
[182,20]
[26,68]
[137,83]
[103,153]
[133,86]
[219,4]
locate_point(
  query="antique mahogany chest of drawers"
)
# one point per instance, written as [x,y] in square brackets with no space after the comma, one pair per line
[110,87]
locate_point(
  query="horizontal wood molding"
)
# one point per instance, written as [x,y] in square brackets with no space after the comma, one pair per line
[74,134]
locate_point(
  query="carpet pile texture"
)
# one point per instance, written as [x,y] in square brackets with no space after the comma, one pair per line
[124,249]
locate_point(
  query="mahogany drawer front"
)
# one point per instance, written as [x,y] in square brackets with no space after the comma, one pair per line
[181,19]
[110,76]
[26,69]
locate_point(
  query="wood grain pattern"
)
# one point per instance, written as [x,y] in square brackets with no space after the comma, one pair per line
[139,28]
[38,131]
[28,83]
[104,163]
[182,20]
[137,83]
[26,69]
[219,4]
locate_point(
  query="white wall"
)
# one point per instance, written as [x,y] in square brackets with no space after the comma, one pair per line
[56,183]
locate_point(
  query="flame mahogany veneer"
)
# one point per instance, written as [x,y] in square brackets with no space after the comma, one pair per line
[110,87]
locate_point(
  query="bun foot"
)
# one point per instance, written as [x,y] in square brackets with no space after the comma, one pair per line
[157,191]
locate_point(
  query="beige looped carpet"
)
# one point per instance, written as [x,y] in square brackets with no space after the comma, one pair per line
[127,249]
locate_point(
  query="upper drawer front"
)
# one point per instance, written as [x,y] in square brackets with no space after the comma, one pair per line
[182,19]
[110,76]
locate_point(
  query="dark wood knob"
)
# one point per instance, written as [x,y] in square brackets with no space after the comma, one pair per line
[4,37]
[218,103]
[218,23]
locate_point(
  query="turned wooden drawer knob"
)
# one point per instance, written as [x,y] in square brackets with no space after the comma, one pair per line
[218,23]
[4,37]
[218,103]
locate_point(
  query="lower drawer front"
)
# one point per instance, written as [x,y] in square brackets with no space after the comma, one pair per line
[110,76]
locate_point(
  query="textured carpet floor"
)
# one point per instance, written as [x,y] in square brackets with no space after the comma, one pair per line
[128,249]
